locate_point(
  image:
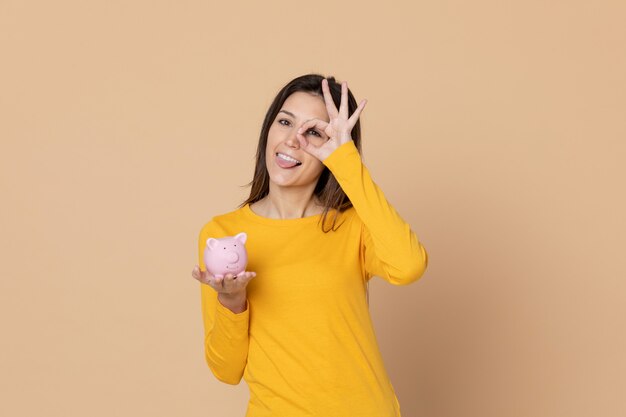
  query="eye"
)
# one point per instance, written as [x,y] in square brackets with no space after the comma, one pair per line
[288,123]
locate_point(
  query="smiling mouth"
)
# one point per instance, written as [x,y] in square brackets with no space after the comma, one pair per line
[285,161]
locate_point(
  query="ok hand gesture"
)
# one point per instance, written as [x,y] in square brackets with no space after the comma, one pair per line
[337,129]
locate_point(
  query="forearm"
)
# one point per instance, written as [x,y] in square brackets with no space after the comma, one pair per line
[226,344]
[393,249]
[226,336]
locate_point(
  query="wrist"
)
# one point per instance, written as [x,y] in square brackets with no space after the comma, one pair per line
[234,302]
[327,152]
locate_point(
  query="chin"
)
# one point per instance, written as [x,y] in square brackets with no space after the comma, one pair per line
[281,177]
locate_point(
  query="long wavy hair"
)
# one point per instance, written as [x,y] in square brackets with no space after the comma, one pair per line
[327,189]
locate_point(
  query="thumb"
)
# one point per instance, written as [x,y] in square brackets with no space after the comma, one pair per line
[307,146]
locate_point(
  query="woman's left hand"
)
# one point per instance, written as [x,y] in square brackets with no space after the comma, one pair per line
[337,129]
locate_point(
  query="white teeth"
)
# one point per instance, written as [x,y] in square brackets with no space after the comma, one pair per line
[287,158]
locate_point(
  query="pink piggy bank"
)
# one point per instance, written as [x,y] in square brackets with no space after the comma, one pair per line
[226,255]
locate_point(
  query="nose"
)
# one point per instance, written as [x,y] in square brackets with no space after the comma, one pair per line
[232,257]
[292,140]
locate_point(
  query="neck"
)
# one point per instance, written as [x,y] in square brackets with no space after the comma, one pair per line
[290,204]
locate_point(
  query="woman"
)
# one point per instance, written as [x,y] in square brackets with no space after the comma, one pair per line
[300,332]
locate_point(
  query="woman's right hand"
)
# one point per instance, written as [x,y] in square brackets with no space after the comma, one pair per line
[228,288]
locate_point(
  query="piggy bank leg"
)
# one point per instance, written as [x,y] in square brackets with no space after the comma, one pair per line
[219,276]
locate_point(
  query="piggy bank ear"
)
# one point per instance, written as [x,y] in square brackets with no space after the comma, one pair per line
[241,237]
[212,243]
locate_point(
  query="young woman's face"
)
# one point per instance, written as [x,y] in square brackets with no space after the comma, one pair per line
[281,139]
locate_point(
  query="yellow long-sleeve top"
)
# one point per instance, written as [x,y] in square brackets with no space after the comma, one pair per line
[305,345]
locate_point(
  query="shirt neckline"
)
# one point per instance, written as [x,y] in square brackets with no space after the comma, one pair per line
[279,222]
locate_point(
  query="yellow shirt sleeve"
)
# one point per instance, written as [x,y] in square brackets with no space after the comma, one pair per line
[391,250]
[225,332]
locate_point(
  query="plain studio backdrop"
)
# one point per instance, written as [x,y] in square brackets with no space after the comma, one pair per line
[497,129]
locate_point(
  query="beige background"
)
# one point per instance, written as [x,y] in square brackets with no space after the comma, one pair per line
[497,129]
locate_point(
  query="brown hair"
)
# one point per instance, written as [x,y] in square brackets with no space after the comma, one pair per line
[327,189]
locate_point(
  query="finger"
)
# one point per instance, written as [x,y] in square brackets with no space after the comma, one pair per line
[330,105]
[352,120]
[244,276]
[310,148]
[250,276]
[205,281]
[343,105]
[312,124]
[228,280]
[205,276]
[240,282]
[198,275]
[304,143]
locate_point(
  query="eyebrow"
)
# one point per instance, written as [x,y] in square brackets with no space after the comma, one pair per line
[289,113]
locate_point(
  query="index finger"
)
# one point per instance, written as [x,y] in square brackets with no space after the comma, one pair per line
[313,123]
[328,98]
[343,105]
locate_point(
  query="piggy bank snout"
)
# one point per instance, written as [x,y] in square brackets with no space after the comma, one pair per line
[231,257]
